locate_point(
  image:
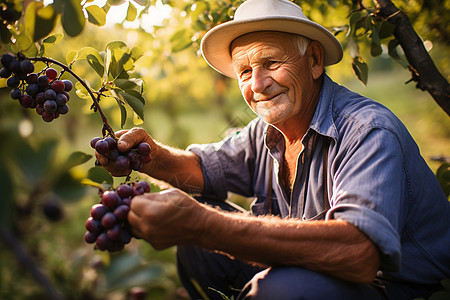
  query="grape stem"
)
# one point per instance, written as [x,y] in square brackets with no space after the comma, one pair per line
[106,125]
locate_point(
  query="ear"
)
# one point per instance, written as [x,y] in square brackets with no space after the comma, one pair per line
[316,59]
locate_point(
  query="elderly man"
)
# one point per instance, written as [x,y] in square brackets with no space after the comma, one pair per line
[346,208]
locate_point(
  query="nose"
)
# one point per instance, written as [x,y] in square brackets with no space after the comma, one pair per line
[260,80]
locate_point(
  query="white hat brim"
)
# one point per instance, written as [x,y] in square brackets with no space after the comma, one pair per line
[215,45]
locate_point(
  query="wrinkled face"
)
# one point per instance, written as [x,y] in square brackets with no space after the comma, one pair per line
[274,78]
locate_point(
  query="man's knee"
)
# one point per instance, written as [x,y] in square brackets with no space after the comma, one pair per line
[297,283]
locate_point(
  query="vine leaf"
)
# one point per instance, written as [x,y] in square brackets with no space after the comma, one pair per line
[100,175]
[361,70]
[72,18]
[49,41]
[134,100]
[96,15]
[131,12]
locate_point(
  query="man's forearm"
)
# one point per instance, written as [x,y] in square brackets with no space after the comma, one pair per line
[334,247]
[177,167]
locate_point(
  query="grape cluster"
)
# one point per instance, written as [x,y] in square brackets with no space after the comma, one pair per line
[107,225]
[132,159]
[41,91]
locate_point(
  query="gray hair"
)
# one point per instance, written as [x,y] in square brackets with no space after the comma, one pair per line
[302,43]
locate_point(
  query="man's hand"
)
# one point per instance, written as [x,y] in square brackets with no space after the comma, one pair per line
[167,218]
[127,140]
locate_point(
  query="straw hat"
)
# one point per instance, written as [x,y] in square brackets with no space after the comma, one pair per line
[259,15]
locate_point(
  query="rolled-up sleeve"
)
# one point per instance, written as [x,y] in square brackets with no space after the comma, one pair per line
[370,183]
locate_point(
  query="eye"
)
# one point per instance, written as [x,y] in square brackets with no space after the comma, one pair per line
[245,73]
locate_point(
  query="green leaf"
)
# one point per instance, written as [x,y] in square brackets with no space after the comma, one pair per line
[71,57]
[7,198]
[386,30]
[72,18]
[136,53]
[123,112]
[81,90]
[75,159]
[50,41]
[135,101]
[375,47]
[392,51]
[354,17]
[360,69]
[131,12]
[40,20]
[46,18]
[96,15]
[100,175]
[94,59]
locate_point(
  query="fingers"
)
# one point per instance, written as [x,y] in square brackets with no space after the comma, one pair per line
[130,138]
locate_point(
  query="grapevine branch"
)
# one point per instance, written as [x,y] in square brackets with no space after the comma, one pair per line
[106,126]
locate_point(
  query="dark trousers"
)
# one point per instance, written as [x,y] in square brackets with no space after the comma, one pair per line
[209,275]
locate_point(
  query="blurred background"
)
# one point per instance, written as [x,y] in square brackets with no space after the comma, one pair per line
[186,102]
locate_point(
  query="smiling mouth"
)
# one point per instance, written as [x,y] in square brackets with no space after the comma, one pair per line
[265,99]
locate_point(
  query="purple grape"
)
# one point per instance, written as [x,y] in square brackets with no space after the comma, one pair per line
[122,211]
[110,199]
[13,82]
[109,220]
[122,163]
[90,237]
[63,109]
[26,66]
[138,189]
[32,78]
[43,81]
[5,73]
[114,233]
[126,237]
[98,211]
[40,98]
[58,86]
[102,242]
[26,101]
[48,116]
[6,59]
[14,66]
[124,191]
[145,185]
[94,141]
[61,99]
[93,226]
[126,201]
[32,89]
[51,73]
[16,93]
[50,106]
[50,94]
[68,85]
[113,154]
[143,148]
[102,147]
[39,109]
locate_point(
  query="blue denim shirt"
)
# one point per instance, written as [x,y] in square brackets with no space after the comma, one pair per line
[376,180]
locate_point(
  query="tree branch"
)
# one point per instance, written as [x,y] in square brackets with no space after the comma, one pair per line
[422,67]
